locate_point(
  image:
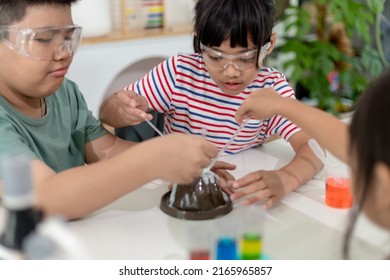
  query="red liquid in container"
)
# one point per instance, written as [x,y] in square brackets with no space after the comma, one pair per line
[338,193]
[200,254]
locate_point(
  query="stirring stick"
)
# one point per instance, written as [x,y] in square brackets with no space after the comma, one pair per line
[214,160]
[317,150]
[232,138]
[154,127]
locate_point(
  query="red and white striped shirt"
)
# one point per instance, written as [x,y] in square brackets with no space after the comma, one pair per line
[182,88]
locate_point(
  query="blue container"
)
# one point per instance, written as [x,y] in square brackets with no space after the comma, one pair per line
[226,249]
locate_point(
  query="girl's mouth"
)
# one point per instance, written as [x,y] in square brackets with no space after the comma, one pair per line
[232,86]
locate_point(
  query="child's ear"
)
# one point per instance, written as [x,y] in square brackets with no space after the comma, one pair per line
[272,41]
[382,186]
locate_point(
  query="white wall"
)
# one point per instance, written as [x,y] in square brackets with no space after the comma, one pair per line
[95,66]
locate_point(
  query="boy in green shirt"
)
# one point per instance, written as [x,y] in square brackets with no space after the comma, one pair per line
[77,165]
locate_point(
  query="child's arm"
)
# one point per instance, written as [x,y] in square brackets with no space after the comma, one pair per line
[124,108]
[330,132]
[270,187]
[78,191]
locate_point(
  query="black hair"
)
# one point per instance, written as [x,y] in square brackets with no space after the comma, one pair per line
[12,11]
[216,21]
[369,142]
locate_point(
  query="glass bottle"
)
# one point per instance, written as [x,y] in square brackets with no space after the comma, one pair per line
[18,201]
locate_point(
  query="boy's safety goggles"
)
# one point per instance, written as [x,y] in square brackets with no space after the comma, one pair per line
[41,43]
[241,61]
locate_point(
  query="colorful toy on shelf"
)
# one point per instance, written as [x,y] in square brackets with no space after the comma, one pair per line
[137,14]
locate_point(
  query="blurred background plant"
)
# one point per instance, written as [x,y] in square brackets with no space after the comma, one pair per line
[333,49]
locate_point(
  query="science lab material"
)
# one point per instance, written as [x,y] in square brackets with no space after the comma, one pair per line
[338,193]
[19,199]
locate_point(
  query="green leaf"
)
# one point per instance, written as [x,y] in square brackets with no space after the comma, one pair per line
[310,61]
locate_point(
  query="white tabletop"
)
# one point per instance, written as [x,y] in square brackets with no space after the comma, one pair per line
[300,227]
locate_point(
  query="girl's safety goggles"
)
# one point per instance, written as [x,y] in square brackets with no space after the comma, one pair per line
[241,61]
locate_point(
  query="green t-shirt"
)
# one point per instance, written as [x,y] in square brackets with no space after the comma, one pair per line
[59,138]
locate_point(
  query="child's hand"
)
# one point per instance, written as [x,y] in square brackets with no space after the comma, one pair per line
[220,168]
[182,157]
[132,107]
[260,105]
[264,186]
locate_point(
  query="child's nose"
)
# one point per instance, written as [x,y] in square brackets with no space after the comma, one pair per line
[231,70]
[64,50]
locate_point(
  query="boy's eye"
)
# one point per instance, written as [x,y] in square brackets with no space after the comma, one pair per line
[43,40]
[43,37]
[69,35]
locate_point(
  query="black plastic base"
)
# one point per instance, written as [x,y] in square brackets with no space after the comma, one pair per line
[195,214]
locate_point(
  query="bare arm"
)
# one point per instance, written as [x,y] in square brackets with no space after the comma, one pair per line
[329,131]
[120,168]
[78,191]
[304,165]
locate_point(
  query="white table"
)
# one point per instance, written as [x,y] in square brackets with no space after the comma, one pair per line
[301,227]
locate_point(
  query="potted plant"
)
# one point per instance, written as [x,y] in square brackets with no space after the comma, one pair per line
[331,52]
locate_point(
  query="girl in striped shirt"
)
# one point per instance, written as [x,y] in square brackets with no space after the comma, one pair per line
[199,93]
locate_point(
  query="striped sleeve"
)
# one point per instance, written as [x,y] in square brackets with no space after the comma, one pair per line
[158,85]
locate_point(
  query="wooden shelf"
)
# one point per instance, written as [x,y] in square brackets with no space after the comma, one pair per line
[139,34]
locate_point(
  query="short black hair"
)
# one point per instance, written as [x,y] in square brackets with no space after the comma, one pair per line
[12,11]
[216,21]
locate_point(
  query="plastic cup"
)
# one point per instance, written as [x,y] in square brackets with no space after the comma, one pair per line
[226,238]
[338,192]
[251,232]
[199,243]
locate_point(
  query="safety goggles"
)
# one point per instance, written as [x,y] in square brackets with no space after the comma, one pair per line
[241,61]
[41,43]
